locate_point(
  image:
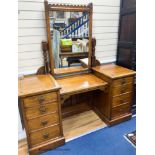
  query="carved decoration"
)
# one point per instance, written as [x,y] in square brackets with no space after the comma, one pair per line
[93,57]
[41,70]
[45,49]
[44,69]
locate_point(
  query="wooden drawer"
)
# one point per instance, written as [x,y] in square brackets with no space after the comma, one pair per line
[120,110]
[40,99]
[122,89]
[44,135]
[43,121]
[41,110]
[121,99]
[123,81]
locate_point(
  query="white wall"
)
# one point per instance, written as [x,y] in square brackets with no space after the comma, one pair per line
[32,31]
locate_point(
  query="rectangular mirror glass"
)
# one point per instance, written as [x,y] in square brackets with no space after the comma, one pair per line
[69,38]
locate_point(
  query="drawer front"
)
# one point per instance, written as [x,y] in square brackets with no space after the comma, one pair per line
[116,101]
[41,110]
[122,89]
[123,81]
[120,110]
[40,99]
[44,135]
[43,121]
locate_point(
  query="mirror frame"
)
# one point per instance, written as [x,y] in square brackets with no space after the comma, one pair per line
[66,8]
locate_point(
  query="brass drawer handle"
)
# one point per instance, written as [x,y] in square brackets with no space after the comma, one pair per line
[122,101]
[42,109]
[123,81]
[120,110]
[123,90]
[41,99]
[46,135]
[44,123]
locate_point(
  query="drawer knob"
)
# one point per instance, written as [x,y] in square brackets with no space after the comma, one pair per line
[41,99]
[121,110]
[123,90]
[42,109]
[46,135]
[44,123]
[123,81]
[122,101]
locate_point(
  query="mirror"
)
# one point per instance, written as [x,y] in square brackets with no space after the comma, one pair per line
[69,29]
[69,37]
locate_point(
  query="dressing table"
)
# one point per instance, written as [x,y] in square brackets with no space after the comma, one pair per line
[53,94]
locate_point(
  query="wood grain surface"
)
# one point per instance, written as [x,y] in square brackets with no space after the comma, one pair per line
[114,71]
[80,83]
[35,84]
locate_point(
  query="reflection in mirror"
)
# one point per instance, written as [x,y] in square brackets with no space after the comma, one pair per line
[70,37]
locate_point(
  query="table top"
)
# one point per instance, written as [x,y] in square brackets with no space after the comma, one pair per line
[80,83]
[113,71]
[35,84]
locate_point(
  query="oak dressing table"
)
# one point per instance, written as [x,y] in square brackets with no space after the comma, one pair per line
[56,93]
[41,97]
